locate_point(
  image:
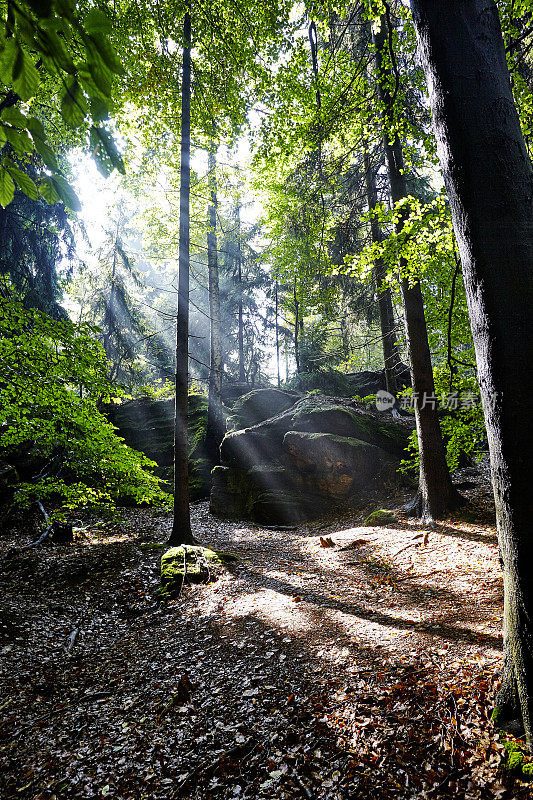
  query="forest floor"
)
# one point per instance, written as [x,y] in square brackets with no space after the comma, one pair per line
[362,670]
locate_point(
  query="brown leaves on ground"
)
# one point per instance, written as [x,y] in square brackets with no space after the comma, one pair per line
[365,670]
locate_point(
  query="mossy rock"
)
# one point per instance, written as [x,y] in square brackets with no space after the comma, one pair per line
[201,564]
[148,426]
[381,517]
[259,405]
[514,762]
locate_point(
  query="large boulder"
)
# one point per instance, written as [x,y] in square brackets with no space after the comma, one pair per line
[148,426]
[370,382]
[259,405]
[337,416]
[322,452]
[336,467]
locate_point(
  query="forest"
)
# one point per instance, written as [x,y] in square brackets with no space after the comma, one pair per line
[266,286]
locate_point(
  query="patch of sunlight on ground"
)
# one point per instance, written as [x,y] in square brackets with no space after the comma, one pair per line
[274,608]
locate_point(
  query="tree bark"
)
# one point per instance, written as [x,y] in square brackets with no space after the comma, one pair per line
[277,329]
[391,357]
[181,526]
[240,333]
[489,180]
[215,417]
[297,330]
[436,494]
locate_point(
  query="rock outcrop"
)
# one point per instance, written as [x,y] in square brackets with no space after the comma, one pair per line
[318,454]
[259,405]
[148,426]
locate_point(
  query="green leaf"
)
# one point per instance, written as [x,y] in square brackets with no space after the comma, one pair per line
[48,191]
[66,193]
[55,52]
[66,8]
[7,187]
[105,50]
[97,71]
[36,128]
[25,76]
[73,104]
[47,154]
[19,140]
[14,117]
[24,182]
[99,109]
[97,22]
[7,61]
[105,152]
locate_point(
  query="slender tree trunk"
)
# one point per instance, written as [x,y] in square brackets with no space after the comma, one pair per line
[215,417]
[111,310]
[242,371]
[391,357]
[436,494]
[489,180]
[277,330]
[297,330]
[181,527]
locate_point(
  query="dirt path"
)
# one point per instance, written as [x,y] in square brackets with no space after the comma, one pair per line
[362,670]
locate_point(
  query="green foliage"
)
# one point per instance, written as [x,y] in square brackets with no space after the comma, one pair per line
[53,375]
[36,251]
[49,43]
[462,422]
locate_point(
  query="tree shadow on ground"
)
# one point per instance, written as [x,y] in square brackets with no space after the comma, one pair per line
[439,629]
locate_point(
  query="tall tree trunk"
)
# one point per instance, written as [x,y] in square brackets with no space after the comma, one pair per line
[277,330]
[215,417]
[181,527]
[489,180]
[297,330]
[391,357]
[436,494]
[111,309]
[240,334]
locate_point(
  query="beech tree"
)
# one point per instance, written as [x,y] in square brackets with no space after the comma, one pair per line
[436,493]
[391,356]
[181,525]
[215,419]
[489,179]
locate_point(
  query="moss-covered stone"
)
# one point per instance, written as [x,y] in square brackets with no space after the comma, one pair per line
[259,405]
[381,517]
[337,466]
[194,562]
[527,771]
[148,426]
[515,761]
[514,756]
[331,450]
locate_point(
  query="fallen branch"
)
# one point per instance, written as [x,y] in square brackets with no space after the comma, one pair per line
[301,785]
[412,543]
[72,638]
[207,768]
